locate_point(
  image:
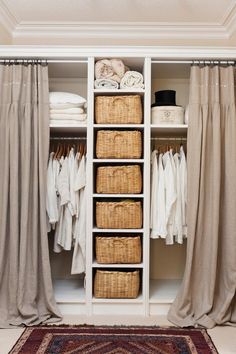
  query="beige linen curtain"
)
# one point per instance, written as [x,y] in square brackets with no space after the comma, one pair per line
[26,294]
[207,296]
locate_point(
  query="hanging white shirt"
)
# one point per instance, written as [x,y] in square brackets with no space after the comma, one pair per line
[79,253]
[170,193]
[161,200]
[154,196]
[178,230]
[51,199]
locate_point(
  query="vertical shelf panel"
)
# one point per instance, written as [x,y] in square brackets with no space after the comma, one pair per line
[89,187]
[146,182]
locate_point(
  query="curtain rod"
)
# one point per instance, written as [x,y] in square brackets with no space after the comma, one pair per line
[194,61]
[26,60]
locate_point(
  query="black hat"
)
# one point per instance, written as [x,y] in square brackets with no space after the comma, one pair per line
[165,98]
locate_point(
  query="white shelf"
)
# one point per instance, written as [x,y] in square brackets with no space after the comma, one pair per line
[59,128]
[115,265]
[119,160]
[117,91]
[96,195]
[125,126]
[139,299]
[172,129]
[69,290]
[95,229]
[164,291]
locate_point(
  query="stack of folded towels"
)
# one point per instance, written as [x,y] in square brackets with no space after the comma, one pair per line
[67,108]
[114,74]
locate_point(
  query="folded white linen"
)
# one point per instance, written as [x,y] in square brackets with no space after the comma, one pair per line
[67,122]
[79,117]
[132,79]
[113,69]
[77,110]
[66,97]
[65,105]
[106,83]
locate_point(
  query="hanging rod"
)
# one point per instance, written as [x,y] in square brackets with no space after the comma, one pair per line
[67,138]
[170,138]
[222,62]
[22,60]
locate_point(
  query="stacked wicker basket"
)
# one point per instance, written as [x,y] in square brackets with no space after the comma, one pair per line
[118,179]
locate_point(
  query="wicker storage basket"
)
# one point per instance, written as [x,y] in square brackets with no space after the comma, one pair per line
[119,179]
[116,284]
[118,109]
[119,144]
[119,215]
[117,249]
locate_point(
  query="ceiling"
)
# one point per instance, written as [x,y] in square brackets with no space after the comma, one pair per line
[144,19]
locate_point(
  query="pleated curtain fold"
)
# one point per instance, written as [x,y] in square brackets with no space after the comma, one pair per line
[207,295]
[26,292]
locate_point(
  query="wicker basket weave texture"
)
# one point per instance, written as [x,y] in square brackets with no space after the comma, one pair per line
[119,179]
[116,249]
[119,215]
[118,109]
[116,284]
[119,144]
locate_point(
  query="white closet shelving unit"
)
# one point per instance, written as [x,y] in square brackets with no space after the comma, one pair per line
[162,267]
[159,283]
[129,306]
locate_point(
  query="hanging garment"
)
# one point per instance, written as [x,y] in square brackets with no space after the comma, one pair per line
[170,195]
[178,223]
[51,201]
[154,196]
[79,253]
[161,200]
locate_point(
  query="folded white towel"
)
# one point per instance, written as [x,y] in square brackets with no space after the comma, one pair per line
[65,105]
[67,122]
[77,110]
[79,117]
[106,83]
[66,97]
[132,79]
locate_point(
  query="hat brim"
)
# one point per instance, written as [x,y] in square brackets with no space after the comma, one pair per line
[163,104]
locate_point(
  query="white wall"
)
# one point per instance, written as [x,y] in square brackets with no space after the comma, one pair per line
[5,37]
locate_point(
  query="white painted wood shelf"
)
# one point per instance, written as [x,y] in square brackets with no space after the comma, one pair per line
[69,291]
[139,299]
[119,91]
[118,160]
[97,195]
[117,265]
[120,126]
[163,290]
[95,229]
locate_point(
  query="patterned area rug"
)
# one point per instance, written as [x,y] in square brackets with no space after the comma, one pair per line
[113,340]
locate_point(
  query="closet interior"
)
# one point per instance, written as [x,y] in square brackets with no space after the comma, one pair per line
[71,77]
[158,268]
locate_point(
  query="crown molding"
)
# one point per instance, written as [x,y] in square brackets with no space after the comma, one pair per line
[229,20]
[7,19]
[83,52]
[127,30]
